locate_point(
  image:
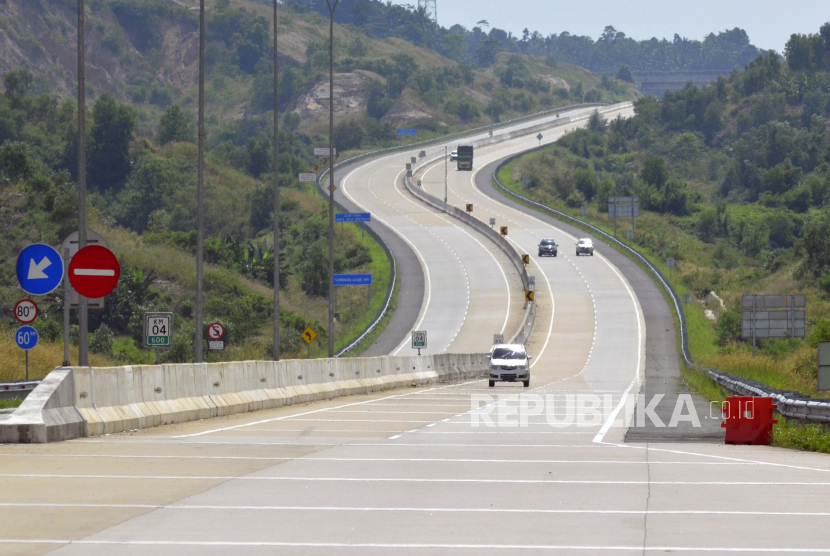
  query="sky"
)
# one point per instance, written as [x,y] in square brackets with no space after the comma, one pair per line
[769,23]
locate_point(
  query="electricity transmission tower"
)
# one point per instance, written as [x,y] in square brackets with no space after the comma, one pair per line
[430,8]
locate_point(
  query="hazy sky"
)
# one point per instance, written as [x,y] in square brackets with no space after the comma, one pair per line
[769,23]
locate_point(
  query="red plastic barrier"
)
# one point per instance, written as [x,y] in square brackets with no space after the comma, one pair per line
[748,420]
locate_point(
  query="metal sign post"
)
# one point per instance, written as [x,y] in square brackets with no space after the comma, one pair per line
[419,340]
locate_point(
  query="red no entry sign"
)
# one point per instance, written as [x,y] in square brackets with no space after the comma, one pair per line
[216,331]
[94,271]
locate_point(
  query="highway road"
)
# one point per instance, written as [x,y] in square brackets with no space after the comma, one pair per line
[422,471]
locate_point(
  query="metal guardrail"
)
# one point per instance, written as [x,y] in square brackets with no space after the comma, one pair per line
[408,146]
[793,405]
[17,389]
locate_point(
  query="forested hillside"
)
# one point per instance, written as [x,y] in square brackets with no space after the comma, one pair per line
[481,44]
[735,183]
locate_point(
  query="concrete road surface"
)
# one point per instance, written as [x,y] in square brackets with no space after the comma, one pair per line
[448,469]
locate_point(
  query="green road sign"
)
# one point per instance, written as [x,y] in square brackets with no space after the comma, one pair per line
[158,330]
[419,339]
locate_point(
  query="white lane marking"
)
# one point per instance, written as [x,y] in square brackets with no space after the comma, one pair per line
[210,507]
[387,412]
[412,480]
[611,418]
[713,456]
[286,417]
[425,546]
[394,437]
[361,421]
[421,258]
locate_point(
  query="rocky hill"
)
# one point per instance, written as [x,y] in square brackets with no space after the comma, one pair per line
[146,52]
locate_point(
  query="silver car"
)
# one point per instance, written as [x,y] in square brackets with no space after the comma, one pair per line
[585,246]
[509,363]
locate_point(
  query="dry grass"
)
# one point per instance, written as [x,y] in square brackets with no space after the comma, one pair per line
[796,371]
[42,359]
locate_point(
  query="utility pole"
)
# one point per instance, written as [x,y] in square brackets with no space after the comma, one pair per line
[276,193]
[332,6]
[446,170]
[200,190]
[83,306]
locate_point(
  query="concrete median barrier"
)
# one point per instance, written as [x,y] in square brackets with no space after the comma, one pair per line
[89,401]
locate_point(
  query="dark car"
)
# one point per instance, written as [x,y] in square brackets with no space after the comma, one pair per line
[547,248]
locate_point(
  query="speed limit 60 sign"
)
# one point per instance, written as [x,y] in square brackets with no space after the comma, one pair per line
[25,311]
[158,330]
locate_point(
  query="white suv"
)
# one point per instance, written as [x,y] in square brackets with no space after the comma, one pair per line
[585,246]
[509,363]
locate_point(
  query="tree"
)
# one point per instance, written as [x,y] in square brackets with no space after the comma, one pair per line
[655,171]
[817,243]
[586,182]
[348,135]
[314,270]
[109,146]
[624,74]
[15,161]
[781,178]
[487,50]
[17,83]
[259,156]
[291,121]
[173,126]
[685,148]
[596,122]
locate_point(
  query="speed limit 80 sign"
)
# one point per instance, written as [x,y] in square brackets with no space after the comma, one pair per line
[25,311]
[158,330]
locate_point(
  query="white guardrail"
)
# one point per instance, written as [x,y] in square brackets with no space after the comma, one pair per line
[793,405]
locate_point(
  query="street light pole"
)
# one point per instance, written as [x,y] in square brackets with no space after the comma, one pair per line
[83,307]
[446,170]
[332,6]
[200,190]
[276,193]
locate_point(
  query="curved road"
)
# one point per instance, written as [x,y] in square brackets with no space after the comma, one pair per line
[449,469]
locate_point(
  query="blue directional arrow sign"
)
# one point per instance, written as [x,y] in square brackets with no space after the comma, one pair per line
[26,337]
[407,132]
[39,269]
[353,217]
[352,279]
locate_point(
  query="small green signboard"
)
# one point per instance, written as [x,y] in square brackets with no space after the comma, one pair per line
[158,330]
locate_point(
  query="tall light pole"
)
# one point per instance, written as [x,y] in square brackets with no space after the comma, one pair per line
[332,6]
[276,193]
[446,171]
[200,190]
[83,307]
